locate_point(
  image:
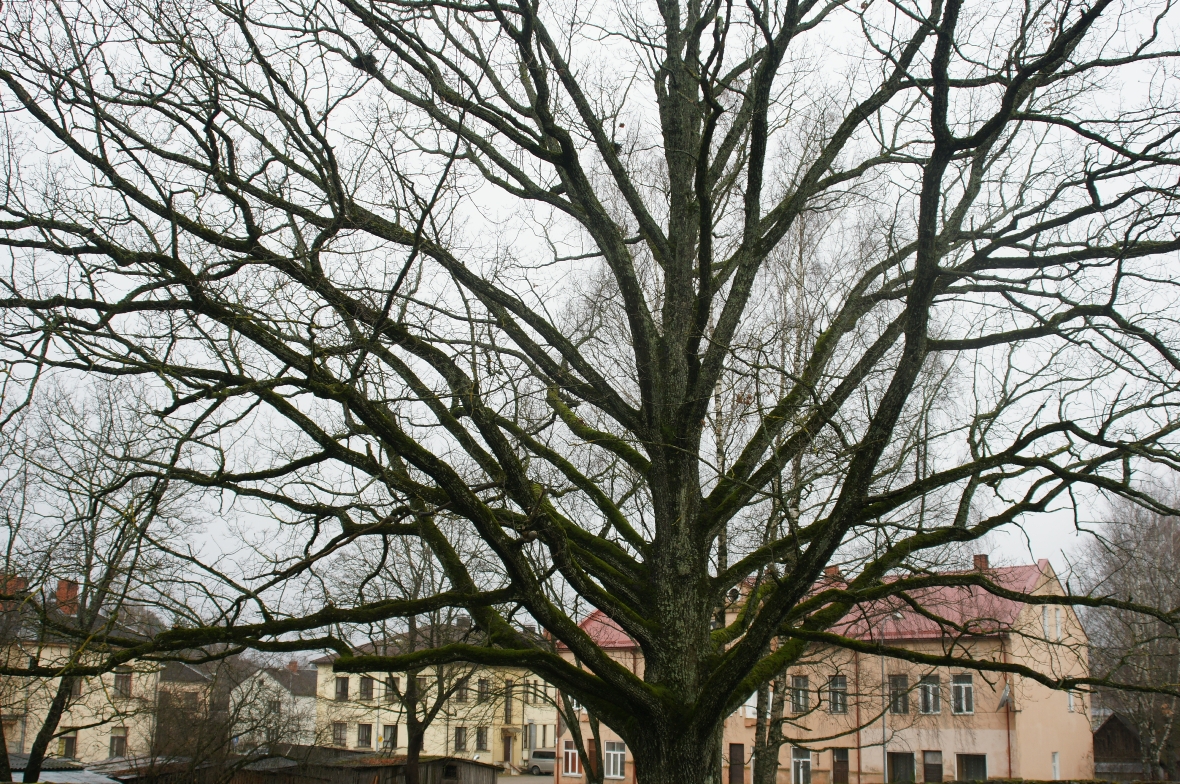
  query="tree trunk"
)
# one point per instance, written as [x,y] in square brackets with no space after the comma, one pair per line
[47,731]
[678,758]
[768,740]
[5,768]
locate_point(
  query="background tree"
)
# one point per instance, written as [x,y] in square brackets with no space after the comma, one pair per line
[79,555]
[396,260]
[1131,557]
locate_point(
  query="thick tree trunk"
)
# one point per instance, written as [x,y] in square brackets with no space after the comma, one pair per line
[678,758]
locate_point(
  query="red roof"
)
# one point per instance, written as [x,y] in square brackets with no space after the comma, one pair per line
[605,633]
[972,608]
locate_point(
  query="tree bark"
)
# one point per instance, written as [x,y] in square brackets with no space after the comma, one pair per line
[48,731]
[5,767]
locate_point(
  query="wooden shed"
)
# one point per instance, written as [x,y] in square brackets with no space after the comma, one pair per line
[373,769]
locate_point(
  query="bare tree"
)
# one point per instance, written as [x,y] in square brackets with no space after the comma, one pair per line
[78,534]
[1132,557]
[395,262]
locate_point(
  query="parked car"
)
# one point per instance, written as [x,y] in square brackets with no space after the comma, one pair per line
[542,761]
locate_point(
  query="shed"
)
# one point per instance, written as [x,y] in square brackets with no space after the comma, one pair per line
[364,769]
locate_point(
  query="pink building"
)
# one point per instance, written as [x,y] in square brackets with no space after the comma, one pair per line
[854,716]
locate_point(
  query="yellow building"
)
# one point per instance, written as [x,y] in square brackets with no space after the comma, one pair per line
[108,716]
[488,714]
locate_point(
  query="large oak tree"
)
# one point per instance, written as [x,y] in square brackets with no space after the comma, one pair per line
[549,274]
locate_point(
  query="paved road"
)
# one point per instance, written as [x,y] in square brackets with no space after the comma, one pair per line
[523,779]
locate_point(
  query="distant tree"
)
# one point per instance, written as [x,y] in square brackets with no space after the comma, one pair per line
[1134,557]
[82,529]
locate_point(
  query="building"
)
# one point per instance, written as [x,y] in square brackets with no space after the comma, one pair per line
[862,719]
[485,714]
[1118,754]
[57,771]
[276,704]
[105,716]
[317,765]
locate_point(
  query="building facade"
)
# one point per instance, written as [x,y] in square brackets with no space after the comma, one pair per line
[275,705]
[107,716]
[496,715]
[864,719]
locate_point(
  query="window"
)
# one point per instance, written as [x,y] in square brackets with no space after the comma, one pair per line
[1045,621]
[389,737]
[839,766]
[838,694]
[799,694]
[461,691]
[544,736]
[339,733]
[800,766]
[122,683]
[507,702]
[67,743]
[615,759]
[364,736]
[899,694]
[930,695]
[423,684]
[342,688]
[1056,766]
[962,695]
[118,742]
[931,766]
[901,766]
[972,767]
[75,687]
[485,690]
[188,700]
[392,687]
[570,764]
[1069,701]
[737,763]
[481,738]
[450,772]
[1057,623]
[530,737]
[366,688]
[460,739]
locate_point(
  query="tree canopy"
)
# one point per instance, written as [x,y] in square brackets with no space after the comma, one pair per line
[612,306]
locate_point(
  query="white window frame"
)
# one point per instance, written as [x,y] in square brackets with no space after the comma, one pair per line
[962,694]
[930,695]
[614,760]
[800,760]
[1056,766]
[838,695]
[571,764]
[1057,622]
[800,694]
[1045,620]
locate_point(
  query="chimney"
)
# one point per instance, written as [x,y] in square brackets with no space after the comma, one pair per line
[67,597]
[293,666]
[13,585]
[981,564]
[833,573]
